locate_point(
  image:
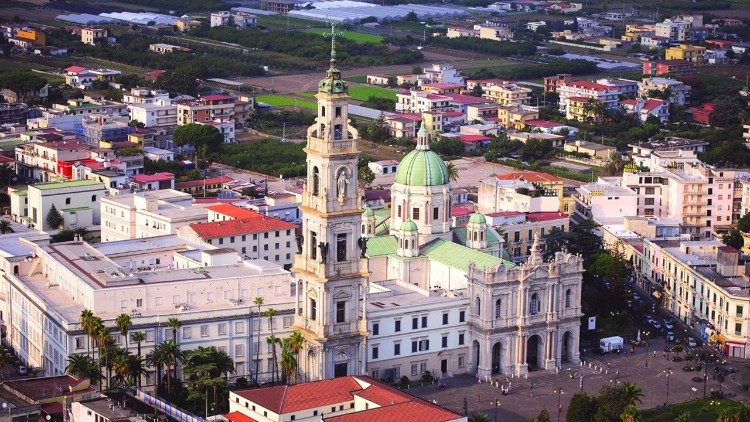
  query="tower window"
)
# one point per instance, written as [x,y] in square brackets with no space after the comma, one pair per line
[341,311]
[313,309]
[415,214]
[341,247]
[315,181]
[338,111]
[337,132]
[313,245]
[322,110]
[435,213]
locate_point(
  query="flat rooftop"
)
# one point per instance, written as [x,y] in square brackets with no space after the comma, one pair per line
[391,295]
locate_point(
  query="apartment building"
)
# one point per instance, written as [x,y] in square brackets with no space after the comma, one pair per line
[679,92]
[672,30]
[645,108]
[662,67]
[209,289]
[552,82]
[685,52]
[77,201]
[154,114]
[38,161]
[421,102]
[240,20]
[205,109]
[516,116]
[642,152]
[92,36]
[442,73]
[574,94]
[604,201]
[518,230]
[103,127]
[520,193]
[507,94]
[163,48]
[254,236]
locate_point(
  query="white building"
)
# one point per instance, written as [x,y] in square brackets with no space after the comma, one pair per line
[77,201]
[679,92]
[442,73]
[240,20]
[152,114]
[604,202]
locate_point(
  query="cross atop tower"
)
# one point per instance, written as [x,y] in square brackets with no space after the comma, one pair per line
[333,34]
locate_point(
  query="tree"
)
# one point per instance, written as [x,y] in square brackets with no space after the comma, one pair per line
[166,355]
[207,368]
[411,17]
[296,342]
[84,366]
[86,320]
[4,357]
[452,172]
[136,369]
[181,80]
[139,337]
[447,146]
[582,408]
[123,324]
[258,301]
[365,175]
[543,416]
[614,164]
[611,404]
[726,112]
[477,91]
[199,136]
[740,412]
[105,344]
[54,218]
[7,175]
[23,83]
[743,224]
[630,414]
[632,392]
[174,323]
[733,238]
[288,360]
[479,417]
[5,227]
[272,340]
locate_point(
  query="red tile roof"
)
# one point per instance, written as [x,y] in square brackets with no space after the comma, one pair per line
[545,216]
[529,176]
[238,417]
[542,123]
[234,211]
[472,139]
[156,177]
[629,102]
[4,159]
[460,211]
[504,214]
[201,182]
[259,224]
[652,103]
[465,99]
[440,85]
[75,69]
[293,398]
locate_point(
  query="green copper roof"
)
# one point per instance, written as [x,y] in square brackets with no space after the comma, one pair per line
[381,245]
[67,184]
[459,257]
[409,226]
[477,218]
[422,168]
[368,212]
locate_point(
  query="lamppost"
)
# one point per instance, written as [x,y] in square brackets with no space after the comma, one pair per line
[496,404]
[667,372]
[559,392]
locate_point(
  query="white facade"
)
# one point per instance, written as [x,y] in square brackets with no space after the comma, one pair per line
[679,92]
[158,113]
[605,202]
[76,200]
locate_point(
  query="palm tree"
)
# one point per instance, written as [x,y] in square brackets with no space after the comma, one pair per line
[5,227]
[614,164]
[86,320]
[272,340]
[452,172]
[121,366]
[136,369]
[174,323]
[632,393]
[139,337]
[104,342]
[84,366]
[296,342]
[3,360]
[167,354]
[288,359]
[258,302]
[124,323]
[270,313]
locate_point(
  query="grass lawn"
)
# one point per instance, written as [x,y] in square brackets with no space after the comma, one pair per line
[362,93]
[701,410]
[352,36]
[282,100]
[362,79]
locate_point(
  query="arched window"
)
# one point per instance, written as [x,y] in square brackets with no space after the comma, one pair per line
[568,297]
[67,201]
[498,308]
[337,132]
[322,110]
[534,304]
[481,236]
[478,305]
[16,270]
[363,228]
[316,181]
[93,198]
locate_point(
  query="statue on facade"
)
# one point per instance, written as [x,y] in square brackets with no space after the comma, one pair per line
[362,247]
[342,181]
[300,240]
[323,247]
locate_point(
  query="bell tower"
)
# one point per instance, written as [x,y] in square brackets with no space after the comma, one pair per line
[332,274]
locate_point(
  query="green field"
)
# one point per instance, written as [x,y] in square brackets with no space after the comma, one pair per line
[282,101]
[362,93]
[362,79]
[352,36]
[700,410]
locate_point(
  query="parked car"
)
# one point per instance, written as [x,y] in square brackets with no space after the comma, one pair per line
[670,336]
[668,325]
[656,325]
[599,351]
[22,370]
[691,342]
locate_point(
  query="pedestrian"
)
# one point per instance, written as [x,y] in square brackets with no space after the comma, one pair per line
[618,352]
[609,364]
[509,384]
[654,353]
[626,352]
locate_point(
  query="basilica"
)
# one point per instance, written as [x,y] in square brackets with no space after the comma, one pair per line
[398,291]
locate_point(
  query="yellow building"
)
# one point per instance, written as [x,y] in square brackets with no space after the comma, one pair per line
[507,94]
[34,35]
[577,109]
[687,52]
[514,117]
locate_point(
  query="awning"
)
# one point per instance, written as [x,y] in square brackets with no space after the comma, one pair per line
[656,294]
[717,338]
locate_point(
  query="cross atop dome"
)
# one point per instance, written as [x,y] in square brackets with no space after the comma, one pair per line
[333,84]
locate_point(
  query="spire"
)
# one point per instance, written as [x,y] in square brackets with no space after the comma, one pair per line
[423,138]
[333,84]
[535,258]
[333,44]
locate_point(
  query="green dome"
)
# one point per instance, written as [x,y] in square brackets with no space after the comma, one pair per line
[422,168]
[477,218]
[368,212]
[408,226]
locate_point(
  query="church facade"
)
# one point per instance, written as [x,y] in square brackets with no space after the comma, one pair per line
[400,291]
